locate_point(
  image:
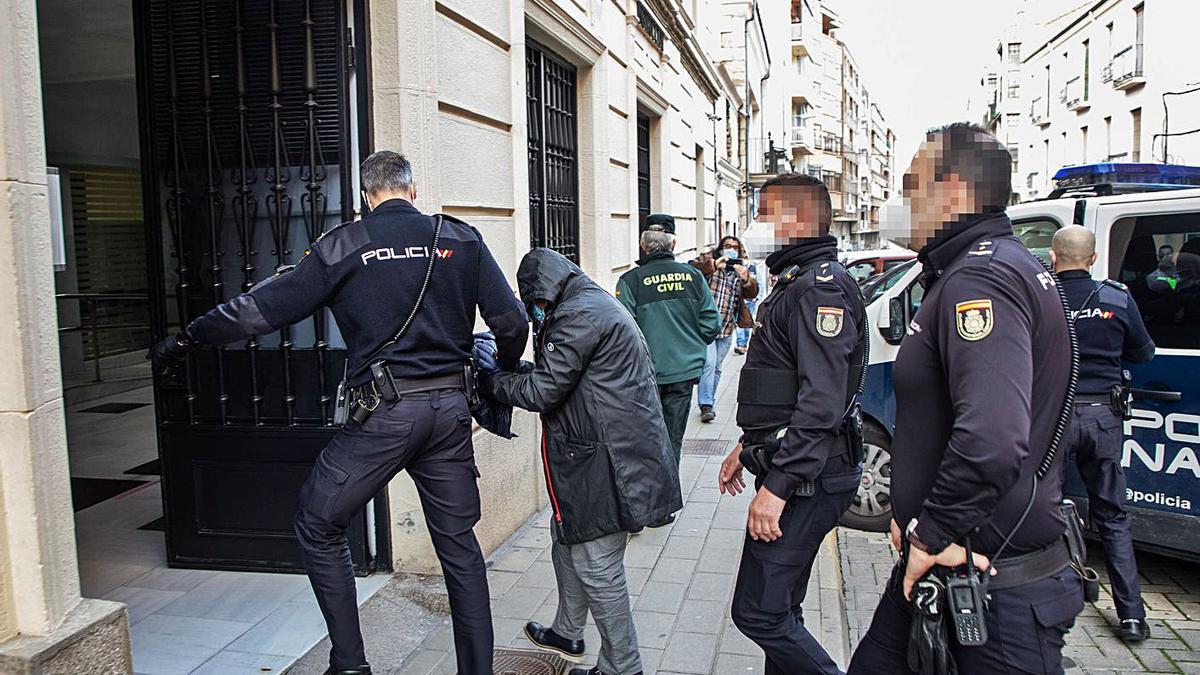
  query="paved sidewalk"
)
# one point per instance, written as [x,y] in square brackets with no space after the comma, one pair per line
[681,581]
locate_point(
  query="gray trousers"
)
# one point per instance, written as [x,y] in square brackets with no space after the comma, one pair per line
[591,576]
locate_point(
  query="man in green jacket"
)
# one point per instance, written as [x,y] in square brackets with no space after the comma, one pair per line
[674,308]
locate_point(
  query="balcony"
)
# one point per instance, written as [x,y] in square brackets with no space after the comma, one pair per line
[1074,95]
[799,47]
[1038,113]
[1106,73]
[1127,68]
[801,140]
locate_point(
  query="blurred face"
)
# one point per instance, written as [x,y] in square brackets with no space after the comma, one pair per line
[932,201]
[796,212]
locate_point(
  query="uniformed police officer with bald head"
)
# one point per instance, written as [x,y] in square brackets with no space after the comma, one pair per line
[1110,330]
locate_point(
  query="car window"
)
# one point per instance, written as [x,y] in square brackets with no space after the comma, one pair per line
[913,297]
[889,264]
[1037,235]
[882,283]
[862,271]
[1158,258]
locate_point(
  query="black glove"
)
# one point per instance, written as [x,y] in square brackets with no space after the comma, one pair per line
[171,349]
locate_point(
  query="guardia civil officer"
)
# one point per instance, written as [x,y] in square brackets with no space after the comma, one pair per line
[369,273]
[674,308]
[981,380]
[802,371]
[1110,329]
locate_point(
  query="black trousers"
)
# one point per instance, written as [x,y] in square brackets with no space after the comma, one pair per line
[676,399]
[773,577]
[1025,625]
[429,435]
[1095,442]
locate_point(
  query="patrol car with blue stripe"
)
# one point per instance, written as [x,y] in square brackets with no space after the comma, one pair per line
[1146,218]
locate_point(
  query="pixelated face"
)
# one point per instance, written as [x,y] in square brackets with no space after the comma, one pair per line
[796,211]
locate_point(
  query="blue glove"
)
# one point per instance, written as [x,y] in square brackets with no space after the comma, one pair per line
[484,352]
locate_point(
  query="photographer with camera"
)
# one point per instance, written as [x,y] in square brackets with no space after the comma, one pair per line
[732,285]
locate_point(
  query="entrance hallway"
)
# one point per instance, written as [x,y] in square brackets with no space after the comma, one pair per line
[181,621]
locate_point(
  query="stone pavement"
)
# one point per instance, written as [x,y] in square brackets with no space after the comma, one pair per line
[1170,588]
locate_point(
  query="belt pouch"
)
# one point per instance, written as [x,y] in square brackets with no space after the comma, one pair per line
[385,384]
[341,405]
[1078,549]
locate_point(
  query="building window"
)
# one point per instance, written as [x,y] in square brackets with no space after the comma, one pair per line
[1083,141]
[643,170]
[1012,150]
[1136,117]
[1108,153]
[1012,119]
[1014,90]
[1139,15]
[1087,55]
[1014,52]
[653,30]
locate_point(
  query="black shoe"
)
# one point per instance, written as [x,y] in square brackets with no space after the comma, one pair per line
[591,671]
[547,640]
[706,414]
[1133,630]
[361,670]
[664,522]
[637,530]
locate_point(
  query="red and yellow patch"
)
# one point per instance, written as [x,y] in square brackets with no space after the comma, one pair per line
[829,321]
[974,319]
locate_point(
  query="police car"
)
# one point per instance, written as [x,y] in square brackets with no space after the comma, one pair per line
[1147,223]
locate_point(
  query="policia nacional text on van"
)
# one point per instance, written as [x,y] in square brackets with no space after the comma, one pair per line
[983,384]
[393,267]
[802,436]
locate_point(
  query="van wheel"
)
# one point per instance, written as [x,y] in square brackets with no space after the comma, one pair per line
[871,509]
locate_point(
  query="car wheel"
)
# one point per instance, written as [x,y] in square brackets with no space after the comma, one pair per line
[871,509]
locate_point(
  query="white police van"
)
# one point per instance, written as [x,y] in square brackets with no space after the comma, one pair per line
[1147,223]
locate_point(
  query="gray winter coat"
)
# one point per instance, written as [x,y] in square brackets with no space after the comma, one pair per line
[609,462]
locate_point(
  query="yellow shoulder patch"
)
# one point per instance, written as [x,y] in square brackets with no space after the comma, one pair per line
[974,319]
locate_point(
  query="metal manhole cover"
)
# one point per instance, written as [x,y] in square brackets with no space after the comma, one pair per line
[522,662]
[707,447]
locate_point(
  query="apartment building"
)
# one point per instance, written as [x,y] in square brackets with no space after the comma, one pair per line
[1106,80]
[837,132]
[1005,111]
[194,147]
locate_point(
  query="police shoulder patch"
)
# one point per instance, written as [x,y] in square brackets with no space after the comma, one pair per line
[974,319]
[829,321]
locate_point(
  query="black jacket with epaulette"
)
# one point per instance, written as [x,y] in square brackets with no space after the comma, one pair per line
[980,381]
[368,273]
[808,343]
[1109,327]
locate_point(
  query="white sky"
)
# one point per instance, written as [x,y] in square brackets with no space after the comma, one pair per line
[921,60]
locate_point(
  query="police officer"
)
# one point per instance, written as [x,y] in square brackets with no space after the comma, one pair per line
[981,380]
[674,308]
[1110,329]
[369,273]
[802,371]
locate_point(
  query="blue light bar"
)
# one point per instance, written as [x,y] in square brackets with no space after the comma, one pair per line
[1127,174]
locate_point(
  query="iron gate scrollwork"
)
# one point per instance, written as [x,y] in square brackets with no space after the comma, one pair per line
[247,159]
[553,152]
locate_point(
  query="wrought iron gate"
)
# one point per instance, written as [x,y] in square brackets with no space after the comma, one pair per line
[553,152]
[247,158]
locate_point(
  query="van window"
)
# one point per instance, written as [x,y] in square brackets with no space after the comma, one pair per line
[1158,258]
[882,283]
[1037,235]
[862,271]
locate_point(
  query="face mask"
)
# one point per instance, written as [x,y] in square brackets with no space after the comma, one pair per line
[730,253]
[538,314]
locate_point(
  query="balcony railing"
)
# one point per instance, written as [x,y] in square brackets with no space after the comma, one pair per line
[801,138]
[1106,73]
[1127,68]
[1038,113]
[797,31]
[1074,95]
[647,22]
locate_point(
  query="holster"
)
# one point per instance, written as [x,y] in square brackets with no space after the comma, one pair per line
[1078,550]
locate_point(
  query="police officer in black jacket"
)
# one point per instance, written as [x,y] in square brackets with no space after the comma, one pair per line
[980,382]
[1110,329]
[369,273]
[802,371]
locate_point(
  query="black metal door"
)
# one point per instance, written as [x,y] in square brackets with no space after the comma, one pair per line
[247,158]
[643,169]
[553,152]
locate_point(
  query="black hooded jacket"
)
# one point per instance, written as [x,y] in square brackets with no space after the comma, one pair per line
[609,464]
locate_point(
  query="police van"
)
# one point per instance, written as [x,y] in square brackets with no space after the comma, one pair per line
[1146,218]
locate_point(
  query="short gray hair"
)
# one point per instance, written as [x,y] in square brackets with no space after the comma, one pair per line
[654,241]
[384,172]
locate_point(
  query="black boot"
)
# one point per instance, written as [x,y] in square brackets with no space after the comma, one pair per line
[1133,630]
[361,670]
[547,640]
